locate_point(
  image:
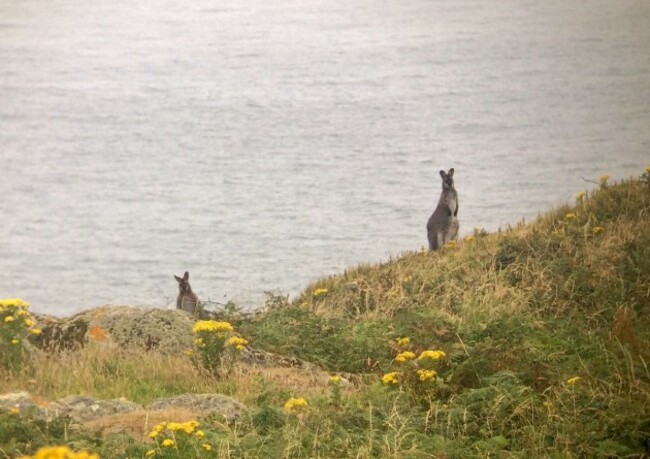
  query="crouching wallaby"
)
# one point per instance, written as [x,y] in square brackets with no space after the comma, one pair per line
[187,299]
[442,226]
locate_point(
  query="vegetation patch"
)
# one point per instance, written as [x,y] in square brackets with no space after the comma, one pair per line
[530,342]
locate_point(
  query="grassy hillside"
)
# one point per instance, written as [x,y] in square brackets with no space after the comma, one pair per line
[543,332]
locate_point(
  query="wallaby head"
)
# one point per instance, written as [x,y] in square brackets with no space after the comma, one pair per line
[447,179]
[184,283]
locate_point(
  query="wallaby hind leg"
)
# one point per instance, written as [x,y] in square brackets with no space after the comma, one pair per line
[433,240]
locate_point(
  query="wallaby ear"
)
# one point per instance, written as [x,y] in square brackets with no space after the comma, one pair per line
[178,279]
[442,174]
[451,172]
[186,276]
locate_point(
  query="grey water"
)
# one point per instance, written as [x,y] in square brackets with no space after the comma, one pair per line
[262,145]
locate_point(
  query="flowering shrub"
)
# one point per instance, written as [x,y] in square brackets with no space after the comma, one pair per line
[296,405]
[60,452]
[215,345]
[415,373]
[16,325]
[179,440]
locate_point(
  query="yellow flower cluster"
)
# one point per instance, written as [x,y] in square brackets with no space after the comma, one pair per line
[237,342]
[425,375]
[296,405]
[168,442]
[432,355]
[403,341]
[581,196]
[14,309]
[451,245]
[12,303]
[603,179]
[404,356]
[187,427]
[570,216]
[212,326]
[390,378]
[320,292]
[60,452]
[335,380]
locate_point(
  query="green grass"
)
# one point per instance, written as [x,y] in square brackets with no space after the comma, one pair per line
[517,313]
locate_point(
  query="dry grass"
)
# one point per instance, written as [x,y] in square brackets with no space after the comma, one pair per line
[139,423]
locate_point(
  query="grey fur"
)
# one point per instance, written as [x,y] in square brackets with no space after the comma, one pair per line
[442,226]
[187,299]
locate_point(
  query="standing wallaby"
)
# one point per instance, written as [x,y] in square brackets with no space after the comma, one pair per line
[187,299]
[442,226]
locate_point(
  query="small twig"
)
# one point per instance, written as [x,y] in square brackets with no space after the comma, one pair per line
[589,181]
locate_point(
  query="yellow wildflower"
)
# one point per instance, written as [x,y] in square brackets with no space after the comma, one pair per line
[61,452]
[36,331]
[207,446]
[9,319]
[28,322]
[433,355]
[14,303]
[21,312]
[14,341]
[403,341]
[404,356]
[198,342]
[236,342]
[389,378]
[450,245]
[320,292]
[160,427]
[336,379]
[603,179]
[425,375]
[188,352]
[295,404]
[167,442]
[199,434]
[573,380]
[150,453]
[14,410]
[570,216]
[598,229]
[211,326]
[153,434]
[581,196]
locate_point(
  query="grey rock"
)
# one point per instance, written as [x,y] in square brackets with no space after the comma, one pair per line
[203,404]
[83,408]
[21,401]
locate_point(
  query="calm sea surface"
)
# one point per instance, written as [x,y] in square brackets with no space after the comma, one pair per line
[261,145]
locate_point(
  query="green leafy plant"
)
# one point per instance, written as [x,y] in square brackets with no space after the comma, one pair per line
[16,325]
[216,346]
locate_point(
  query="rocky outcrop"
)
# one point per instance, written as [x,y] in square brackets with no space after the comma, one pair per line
[82,408]
[203,404]
[163,330]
